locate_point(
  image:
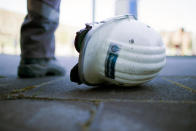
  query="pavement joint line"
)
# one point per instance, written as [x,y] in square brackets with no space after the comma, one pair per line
[87,124]
[91,123]
[97,117]
[95,101]
[180,85]
[35,86]
[49,82]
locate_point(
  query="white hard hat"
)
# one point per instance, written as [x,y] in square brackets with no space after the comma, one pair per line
[120,51]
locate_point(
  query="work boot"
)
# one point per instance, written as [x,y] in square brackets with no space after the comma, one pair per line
[39,67]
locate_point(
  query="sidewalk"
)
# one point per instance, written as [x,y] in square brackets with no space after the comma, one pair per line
[167,103]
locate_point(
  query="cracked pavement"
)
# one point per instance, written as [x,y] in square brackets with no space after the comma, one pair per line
[168,102]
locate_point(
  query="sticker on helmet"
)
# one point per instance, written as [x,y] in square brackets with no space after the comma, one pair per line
[111,59]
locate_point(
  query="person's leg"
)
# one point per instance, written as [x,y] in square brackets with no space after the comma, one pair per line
[38,40]
[37,31]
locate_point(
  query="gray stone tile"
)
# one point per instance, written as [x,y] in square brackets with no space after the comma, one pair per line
[189,81]
[56,103]
[157,89]
[179,66]
[125,116]
[43,115]
[10,84]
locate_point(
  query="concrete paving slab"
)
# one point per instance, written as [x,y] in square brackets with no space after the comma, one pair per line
[143,116]
[44,115]
[157,89]
[12,84]
[188,81]
[55,103]
[180,66]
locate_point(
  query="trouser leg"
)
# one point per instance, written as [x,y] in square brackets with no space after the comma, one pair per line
[37,31]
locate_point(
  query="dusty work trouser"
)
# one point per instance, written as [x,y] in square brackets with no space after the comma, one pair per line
[37,31]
